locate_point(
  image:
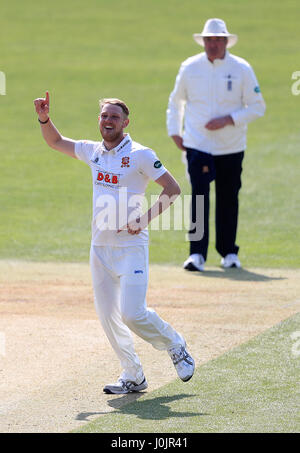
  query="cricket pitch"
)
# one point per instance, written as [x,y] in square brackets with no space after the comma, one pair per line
[55,358]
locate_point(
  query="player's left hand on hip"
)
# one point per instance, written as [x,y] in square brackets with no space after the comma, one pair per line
[133,227]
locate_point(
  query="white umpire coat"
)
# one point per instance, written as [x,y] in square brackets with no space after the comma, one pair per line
[205,90]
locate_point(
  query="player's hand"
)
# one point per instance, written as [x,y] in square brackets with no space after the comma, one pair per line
[42,107]
[134,227]
[219,123]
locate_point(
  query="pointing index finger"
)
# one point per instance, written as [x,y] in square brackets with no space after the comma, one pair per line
[47,97]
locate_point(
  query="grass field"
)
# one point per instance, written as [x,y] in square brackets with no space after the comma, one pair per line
[253,388]
[133,50]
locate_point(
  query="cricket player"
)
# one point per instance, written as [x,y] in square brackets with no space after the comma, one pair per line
[121,170]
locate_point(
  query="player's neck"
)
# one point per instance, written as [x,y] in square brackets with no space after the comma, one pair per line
[112,144]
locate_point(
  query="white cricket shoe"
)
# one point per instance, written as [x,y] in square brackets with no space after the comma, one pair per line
[230,260]
[183,362]
[195,262]
[125,386]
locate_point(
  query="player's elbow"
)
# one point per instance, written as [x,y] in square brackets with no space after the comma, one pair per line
[176,189]
[174,192]
[56,144]
[52,142]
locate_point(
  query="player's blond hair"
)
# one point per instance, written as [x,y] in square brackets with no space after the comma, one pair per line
[114,101]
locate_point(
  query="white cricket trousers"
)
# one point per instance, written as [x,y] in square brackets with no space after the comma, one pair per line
[120,279]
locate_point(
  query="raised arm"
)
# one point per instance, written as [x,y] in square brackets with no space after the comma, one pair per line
[51,135]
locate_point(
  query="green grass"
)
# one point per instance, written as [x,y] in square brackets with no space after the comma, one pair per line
[253,388]
[83,51]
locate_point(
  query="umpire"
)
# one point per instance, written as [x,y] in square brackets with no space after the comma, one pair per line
[216,95]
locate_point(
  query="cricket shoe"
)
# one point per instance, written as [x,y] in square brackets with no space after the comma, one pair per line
[230,260]
[195,262]
[183,362]
[125,386]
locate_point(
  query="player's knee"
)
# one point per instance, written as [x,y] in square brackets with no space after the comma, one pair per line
[132,318]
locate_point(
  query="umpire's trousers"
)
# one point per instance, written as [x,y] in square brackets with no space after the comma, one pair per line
[226,170]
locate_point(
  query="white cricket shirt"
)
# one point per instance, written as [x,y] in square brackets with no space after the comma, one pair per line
[120,177]
[205,90]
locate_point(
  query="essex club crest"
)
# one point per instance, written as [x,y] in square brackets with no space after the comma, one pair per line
[125,162]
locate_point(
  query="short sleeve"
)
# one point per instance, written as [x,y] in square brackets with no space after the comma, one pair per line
[150,165]
[84,150]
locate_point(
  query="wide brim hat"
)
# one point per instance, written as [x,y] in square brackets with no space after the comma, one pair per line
[215,27]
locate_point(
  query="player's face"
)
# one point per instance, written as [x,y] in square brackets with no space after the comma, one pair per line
[112,122]
[215,47]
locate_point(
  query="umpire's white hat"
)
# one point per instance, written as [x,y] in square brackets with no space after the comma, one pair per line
[215,27]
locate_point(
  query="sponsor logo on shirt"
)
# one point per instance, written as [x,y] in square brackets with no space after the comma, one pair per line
[257,89]
[95,160]
[125,162]
[157,164]
[122,146]
[139,271]
[106,178]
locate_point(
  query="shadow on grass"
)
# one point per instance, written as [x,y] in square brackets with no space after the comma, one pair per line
[151,409]
[84,416]
[116,404]
[236,274]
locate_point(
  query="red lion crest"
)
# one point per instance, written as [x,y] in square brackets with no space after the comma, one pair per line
[125,161]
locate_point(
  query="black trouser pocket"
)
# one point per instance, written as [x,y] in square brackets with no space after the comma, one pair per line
[201,166]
